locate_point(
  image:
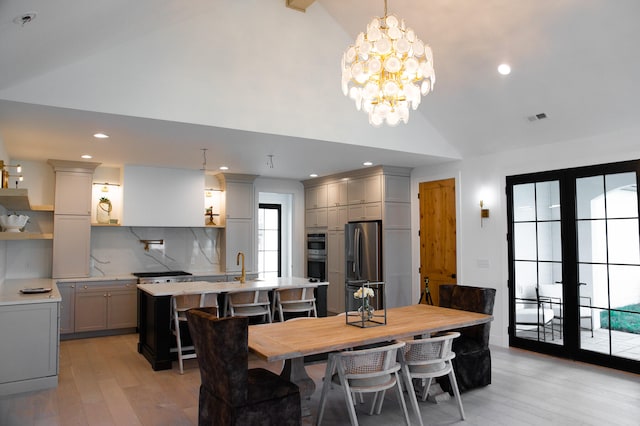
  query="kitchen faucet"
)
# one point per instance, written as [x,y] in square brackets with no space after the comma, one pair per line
[242,278]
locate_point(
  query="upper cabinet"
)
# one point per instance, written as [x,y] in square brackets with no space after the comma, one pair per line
[316,197]
[337,194]
[364,190]
[73,192]
[154,196]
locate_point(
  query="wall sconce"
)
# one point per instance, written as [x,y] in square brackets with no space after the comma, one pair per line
[6,175]
[484,213]
[105,185]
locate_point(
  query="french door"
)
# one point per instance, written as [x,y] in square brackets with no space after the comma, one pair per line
[574,263]
[269,240]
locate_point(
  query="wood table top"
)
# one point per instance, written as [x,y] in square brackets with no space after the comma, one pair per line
[293,339]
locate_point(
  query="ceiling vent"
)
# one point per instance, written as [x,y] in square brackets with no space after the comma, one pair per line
[537,117]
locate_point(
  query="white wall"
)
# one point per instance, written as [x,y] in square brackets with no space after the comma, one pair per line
[482,251]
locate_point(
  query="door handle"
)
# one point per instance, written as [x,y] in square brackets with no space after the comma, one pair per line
[453,276]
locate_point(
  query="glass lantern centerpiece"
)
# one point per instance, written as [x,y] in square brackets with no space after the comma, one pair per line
[364,304]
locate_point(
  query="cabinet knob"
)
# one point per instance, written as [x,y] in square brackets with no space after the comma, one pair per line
[85,287]
[73,286]
[105,295]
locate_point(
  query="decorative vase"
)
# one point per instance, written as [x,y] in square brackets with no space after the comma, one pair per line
[366,310]
[103,212]
[13,222]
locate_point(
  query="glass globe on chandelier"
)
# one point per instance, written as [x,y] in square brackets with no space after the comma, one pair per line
[387,70]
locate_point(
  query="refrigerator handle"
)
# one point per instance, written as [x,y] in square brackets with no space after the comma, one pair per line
[356,253]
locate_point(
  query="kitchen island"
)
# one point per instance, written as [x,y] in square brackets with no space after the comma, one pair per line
[30,336]
[154,309]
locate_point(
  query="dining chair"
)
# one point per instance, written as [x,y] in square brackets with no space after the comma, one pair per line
[231,393]
[252,303]
[426,359]
[180,304]
[473,356]
[364,371]
[295,300]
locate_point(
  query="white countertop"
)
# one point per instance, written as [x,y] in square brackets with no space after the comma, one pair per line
[10,291]
[197,287]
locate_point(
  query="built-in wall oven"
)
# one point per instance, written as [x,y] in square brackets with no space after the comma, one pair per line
[317,256]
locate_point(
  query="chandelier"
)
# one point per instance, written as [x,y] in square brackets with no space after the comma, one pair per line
[387,70]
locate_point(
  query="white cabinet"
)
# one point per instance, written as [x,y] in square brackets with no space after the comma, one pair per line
[73,192]
[337,217]
[369,211]
[364,190]
[316,197]
[316,218]
[337,193]
[335,267]
[71,246]
[239,200]
[239,238]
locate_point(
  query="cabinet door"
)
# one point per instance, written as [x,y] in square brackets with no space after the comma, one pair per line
[316,197]
[73,193]
[337,194]
[397,189]
[71,246]
[239,200]
[372,189]
[337,217]
[67,307]
[369,211]
[122,307]
[238,238]
[355,191]
[316,218]
[335,267]
[29,348]
[91,308]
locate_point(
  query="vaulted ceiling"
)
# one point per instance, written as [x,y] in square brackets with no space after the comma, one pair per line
[252,78]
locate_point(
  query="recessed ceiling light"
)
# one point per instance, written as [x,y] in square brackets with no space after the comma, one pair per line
[25,19]
[313,175]
[224,168]
[367,163]
[86,156]
[504,69]
[100,136]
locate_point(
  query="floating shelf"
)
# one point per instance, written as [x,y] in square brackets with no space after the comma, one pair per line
[20,236]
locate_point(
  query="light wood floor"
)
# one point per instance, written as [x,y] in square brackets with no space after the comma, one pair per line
[104,381]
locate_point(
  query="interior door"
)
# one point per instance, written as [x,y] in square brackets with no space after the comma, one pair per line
[437,235]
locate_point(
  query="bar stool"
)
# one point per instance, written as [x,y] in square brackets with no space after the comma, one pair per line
[180,304]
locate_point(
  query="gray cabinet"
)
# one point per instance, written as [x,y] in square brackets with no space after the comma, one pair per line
[337,193]
[105,306]
[316,217]
[335,266]
[67,307]
[29,349]
[72,218]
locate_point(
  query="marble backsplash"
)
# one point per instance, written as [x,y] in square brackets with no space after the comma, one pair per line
[117,251]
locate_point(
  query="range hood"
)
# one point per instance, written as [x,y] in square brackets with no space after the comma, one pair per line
[18,200]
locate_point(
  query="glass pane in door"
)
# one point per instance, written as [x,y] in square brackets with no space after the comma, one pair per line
[537,252]
[609,264]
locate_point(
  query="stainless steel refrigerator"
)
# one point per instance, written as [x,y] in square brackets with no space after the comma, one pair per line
[363,253]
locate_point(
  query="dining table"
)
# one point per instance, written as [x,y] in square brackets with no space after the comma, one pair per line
[291,341]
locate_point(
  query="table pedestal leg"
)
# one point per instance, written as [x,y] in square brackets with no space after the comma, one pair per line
[295,372]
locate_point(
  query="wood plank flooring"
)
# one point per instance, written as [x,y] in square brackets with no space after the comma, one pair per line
[104,381]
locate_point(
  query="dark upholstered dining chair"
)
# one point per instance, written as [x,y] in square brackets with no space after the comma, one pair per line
[230,392]
[473,357]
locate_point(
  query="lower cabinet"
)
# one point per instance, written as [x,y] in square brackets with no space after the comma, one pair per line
[105,306]
[29,348]
[67,307]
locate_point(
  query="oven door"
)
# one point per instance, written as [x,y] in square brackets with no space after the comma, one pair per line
[317,267]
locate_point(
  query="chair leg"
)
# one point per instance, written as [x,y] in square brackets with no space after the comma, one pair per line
[412,393]
[425,389]
[456,392]
[400,400]
[176,324]
[347,397]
